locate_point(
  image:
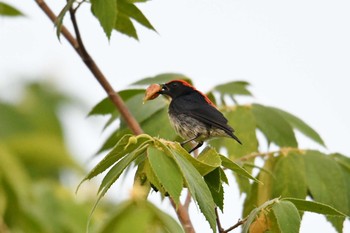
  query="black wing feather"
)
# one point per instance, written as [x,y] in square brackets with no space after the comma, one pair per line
[196,106]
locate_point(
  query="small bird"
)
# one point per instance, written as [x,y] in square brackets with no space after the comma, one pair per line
[193,116]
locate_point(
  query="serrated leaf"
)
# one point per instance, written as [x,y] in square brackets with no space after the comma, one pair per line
[8,10]
[122,148]
[287,216]
[227,163]
[132,11]
[59,20]
[106,12]
[198,188]
[167,172]
[300,125]
[290,177]
[275,128]
[213,180]
[114,173]
[315,207]
[162,78]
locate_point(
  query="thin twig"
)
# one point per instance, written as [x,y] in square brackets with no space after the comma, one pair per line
[218,223]
[221,229]
[240,222]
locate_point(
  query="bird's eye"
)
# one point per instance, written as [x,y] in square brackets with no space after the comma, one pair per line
[175,84]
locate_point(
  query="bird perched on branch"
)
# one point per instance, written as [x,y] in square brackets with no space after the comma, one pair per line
[191,113]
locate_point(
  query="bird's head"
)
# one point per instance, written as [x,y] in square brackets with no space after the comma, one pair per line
[176,88]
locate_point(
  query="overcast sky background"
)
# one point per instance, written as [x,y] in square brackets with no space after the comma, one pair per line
[295,54]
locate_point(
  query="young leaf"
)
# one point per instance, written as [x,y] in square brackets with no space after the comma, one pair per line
[167,172]
[253,215]
[315,207]
[106,12]
[7,10]
[274,126]
[300,125]
[287,216]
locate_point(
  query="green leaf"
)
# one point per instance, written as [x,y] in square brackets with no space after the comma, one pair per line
[315,207]
[167,172]
[227,163]
[232,89]
[300,125]
[114,173]
[7,10]
[161,78]
[287,216]
[327,187]
[132,11]
[198,188]
[139,216]
[213,180]
[290,177]
[106,12]
[127,144]
[243,121]
[124,25]
[59,20]
[274,126]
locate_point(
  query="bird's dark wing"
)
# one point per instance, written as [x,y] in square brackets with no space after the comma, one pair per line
[196,106]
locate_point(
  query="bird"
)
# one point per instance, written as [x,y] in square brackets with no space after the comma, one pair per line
[193,116]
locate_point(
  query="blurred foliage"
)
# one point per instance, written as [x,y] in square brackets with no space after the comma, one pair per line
[33,161]
[275,198]
[7,10]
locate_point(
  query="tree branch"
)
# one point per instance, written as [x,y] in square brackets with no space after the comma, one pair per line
[78,45]
[183,216]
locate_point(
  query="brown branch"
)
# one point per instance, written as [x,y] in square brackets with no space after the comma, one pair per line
[240,222]
[95,70]
[183,216]
[218,223]
[78,45]
[187,201]
[221,229]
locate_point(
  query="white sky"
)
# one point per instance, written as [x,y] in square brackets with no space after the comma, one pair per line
[296,55]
